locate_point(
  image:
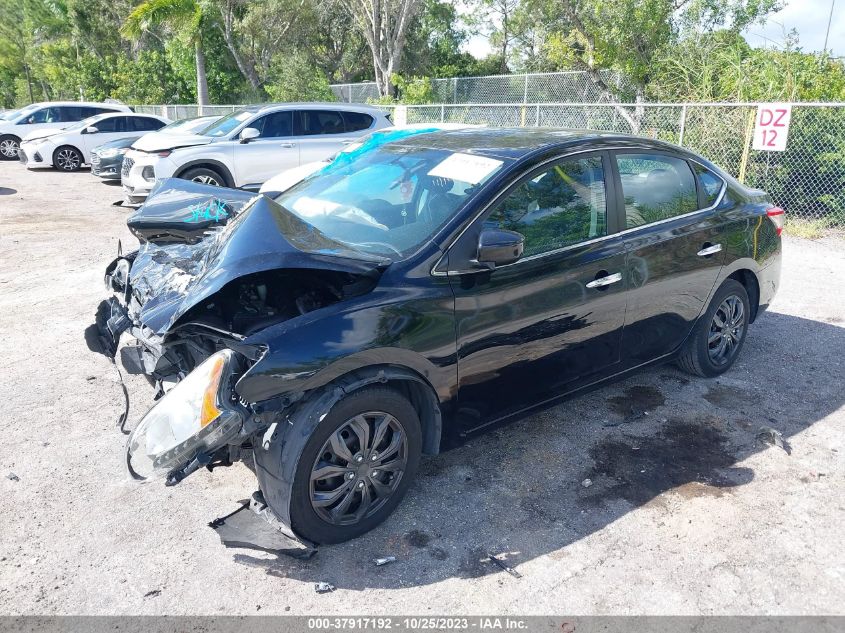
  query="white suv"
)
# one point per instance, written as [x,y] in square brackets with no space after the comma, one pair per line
[249,146]
[51,114]
[70,148]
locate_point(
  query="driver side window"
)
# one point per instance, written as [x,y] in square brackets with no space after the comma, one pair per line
[559,207]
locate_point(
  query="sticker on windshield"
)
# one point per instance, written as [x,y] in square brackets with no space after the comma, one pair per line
[466,168]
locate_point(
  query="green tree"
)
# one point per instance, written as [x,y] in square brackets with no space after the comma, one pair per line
[295,78]
[188,18]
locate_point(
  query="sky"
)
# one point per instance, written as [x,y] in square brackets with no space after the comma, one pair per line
[808,17]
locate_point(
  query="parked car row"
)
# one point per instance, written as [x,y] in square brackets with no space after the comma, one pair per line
[242,149]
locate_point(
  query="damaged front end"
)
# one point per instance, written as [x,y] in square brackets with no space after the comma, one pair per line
[184,305]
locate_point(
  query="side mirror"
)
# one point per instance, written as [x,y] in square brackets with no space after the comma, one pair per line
[498,247]
[248,133]
[91,130]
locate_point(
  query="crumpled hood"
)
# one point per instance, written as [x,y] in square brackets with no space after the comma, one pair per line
[168,279]
[158,141]
[182,210]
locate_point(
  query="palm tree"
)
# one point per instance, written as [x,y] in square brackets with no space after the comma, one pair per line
[185,17]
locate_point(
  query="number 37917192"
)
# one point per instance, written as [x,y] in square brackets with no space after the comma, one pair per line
[772,126]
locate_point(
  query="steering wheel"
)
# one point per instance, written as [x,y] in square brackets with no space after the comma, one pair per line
[392,248]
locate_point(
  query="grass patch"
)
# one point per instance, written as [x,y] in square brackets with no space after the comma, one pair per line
[812,229]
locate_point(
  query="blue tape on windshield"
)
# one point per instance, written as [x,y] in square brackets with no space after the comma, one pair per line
[376,140]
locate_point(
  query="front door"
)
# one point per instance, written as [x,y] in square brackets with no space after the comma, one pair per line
[274,151]
[675,251]
[533,330]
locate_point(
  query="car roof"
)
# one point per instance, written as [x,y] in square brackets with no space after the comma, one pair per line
[79,103]
[515,143]
[333,105]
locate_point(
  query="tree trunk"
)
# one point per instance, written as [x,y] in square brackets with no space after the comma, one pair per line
[28,82]
[202,82]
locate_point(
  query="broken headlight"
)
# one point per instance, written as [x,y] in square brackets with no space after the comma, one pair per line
[196,417]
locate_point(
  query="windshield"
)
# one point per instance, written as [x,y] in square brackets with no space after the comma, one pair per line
[227,123]
[389,200]
[84,123]
[189,125]
[18,114]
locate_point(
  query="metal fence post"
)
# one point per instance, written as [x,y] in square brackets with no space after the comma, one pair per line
[746,148]
[525,91]
[683,125]
[537,117]
[442,113]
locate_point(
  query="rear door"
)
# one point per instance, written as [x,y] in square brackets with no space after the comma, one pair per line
[675,244]
[321,133]
[535,329]
[272,152]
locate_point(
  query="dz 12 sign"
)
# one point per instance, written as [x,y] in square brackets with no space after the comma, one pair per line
[772,126]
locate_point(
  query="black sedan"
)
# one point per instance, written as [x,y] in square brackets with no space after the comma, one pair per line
[401,300]
[106,159]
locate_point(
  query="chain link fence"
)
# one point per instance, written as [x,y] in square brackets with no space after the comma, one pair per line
[808,179]
[568,86]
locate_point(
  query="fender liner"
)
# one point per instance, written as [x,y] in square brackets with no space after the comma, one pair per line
[278,450]
[210,162]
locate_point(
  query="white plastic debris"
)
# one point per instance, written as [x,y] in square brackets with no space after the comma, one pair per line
[324,587]
[384,561]
[587,482]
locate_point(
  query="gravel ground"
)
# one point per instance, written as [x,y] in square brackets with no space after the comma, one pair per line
[687,512]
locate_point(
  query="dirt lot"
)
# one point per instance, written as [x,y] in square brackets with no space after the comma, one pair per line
[687,511]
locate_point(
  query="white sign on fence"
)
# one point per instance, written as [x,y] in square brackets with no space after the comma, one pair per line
[772,126]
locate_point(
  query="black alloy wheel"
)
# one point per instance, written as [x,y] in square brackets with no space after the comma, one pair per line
[717,338]
[358,468]
[727,329]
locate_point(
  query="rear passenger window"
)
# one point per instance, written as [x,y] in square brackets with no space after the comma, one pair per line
[711,184]
[321,122]
[655,188]
[560,207]
[145,124]
[71,114]
[357,121]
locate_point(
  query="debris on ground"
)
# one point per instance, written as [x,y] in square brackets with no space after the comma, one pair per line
[12,476]
[768,435]
[587,482]
[384,561]
[502,564]
[152,594]
[324,587]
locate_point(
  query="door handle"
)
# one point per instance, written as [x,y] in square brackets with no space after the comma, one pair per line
[709,250]
[288,145]
[601,282]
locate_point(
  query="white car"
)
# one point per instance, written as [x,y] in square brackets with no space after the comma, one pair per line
[249,146]
[50,114]
[289,177]
[70,148]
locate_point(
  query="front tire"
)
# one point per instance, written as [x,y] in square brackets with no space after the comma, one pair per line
[67,158]
[9,146]
[204,176]
[355,467]
[717,339]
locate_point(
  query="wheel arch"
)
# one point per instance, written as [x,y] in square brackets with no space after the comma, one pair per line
[10,135]
[749,281]
[208,163]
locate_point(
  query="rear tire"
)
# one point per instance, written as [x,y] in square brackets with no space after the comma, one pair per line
[717,339]
[9,146]
[67,158]
[204,176]
[336,498]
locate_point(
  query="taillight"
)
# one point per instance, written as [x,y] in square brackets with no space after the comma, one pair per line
[777,216]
